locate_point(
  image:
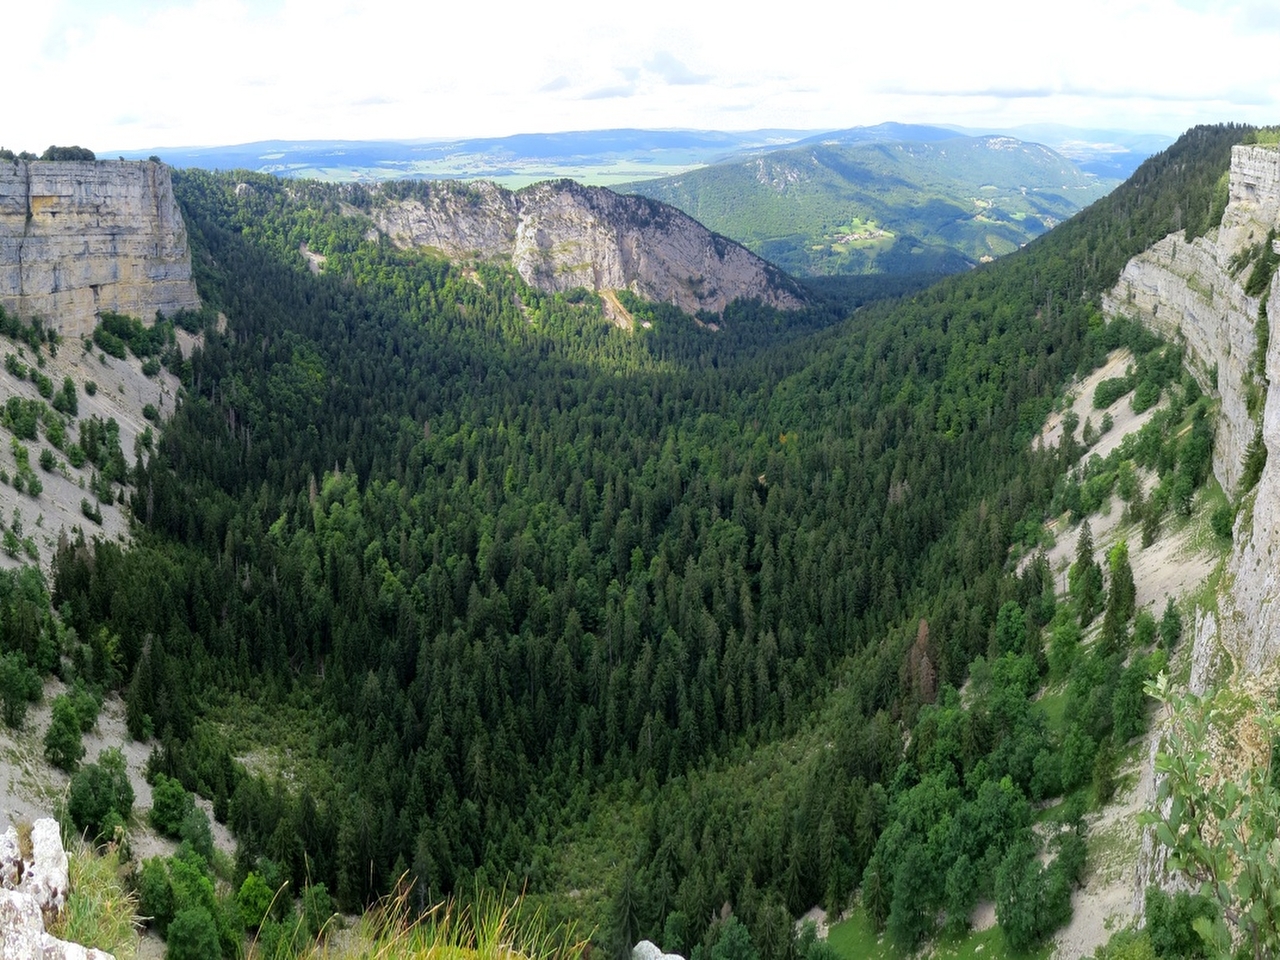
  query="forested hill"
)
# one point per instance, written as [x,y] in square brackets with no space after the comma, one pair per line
[487,564]
[893,205]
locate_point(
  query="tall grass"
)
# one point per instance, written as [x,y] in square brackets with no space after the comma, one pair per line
[101,910]
[489,927]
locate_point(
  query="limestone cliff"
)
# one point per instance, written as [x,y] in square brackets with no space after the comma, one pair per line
[1188,292]
[560,235]
[77,238]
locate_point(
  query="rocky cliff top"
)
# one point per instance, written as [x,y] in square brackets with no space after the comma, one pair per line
[80,237]
[560,235]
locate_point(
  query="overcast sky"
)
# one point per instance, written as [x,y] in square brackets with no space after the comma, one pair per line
[133,74]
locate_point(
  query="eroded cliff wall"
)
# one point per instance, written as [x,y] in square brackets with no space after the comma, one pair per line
[1187,292]
[77,238]
[561,235]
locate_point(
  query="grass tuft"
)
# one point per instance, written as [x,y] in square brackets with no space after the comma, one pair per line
[488,928]
[101,911]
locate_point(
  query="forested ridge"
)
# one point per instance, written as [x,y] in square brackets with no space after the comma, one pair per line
[512,564]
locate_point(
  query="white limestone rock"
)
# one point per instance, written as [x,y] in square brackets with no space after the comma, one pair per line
[1186,291]
[648,950]
[79,237]
[46,875]
[561,235]
[40,892]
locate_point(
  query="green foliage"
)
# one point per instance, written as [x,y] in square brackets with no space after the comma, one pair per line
[1264,267]
[19,686]
[1255,458]
[101,911]
[254,898]
[733,942]
[1171,923]
[1220,831]
[1085,577]
[193,935]
[67,153]
[502,564]
[62,746]
[90,510]
[1170,625]
[170,805]
[100,797]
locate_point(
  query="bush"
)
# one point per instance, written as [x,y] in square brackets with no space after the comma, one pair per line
[193,936]
[170,804]
[100,795]
[1146,396]
[62,746]
[255,900]
[1221,520]
[19,686]
[90,511]
[90,387]
[1111,390]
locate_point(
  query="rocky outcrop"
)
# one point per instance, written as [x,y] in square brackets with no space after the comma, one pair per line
[1187,292]
[1250,605]
[648,950]
[34,887]
[561,235]
[77,238]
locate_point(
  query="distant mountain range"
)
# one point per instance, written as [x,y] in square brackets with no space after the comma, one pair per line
[604,157]
[890,199]
[887,199]
[597,157]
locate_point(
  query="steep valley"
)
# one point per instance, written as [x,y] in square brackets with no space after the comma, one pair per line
[439,575]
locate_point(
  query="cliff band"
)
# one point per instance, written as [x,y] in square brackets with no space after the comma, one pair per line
[1189,291]
[561,235]
[80,237]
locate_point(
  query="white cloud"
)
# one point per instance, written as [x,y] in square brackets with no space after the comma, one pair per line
[151,73]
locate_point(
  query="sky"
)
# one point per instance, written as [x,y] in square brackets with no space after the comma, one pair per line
[133,74]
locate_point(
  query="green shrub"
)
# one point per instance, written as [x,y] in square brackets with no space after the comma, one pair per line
[100,795]
[62,746]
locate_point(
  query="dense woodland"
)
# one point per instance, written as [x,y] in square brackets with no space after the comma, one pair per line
[513,570]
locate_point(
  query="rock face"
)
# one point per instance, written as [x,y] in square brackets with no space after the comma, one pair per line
[78,237]
[561,235]
[648,950]
[1186,292]
[33,886]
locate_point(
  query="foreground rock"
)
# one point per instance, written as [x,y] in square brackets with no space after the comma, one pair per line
[648,950]
[34,889]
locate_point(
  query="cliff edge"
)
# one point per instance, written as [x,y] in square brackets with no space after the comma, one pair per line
[560,235]
[80,237]
[1193,293]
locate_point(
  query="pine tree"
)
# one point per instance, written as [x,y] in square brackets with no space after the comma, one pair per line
[1085,577]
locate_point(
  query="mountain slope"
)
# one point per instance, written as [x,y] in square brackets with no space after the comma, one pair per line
[886,206]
